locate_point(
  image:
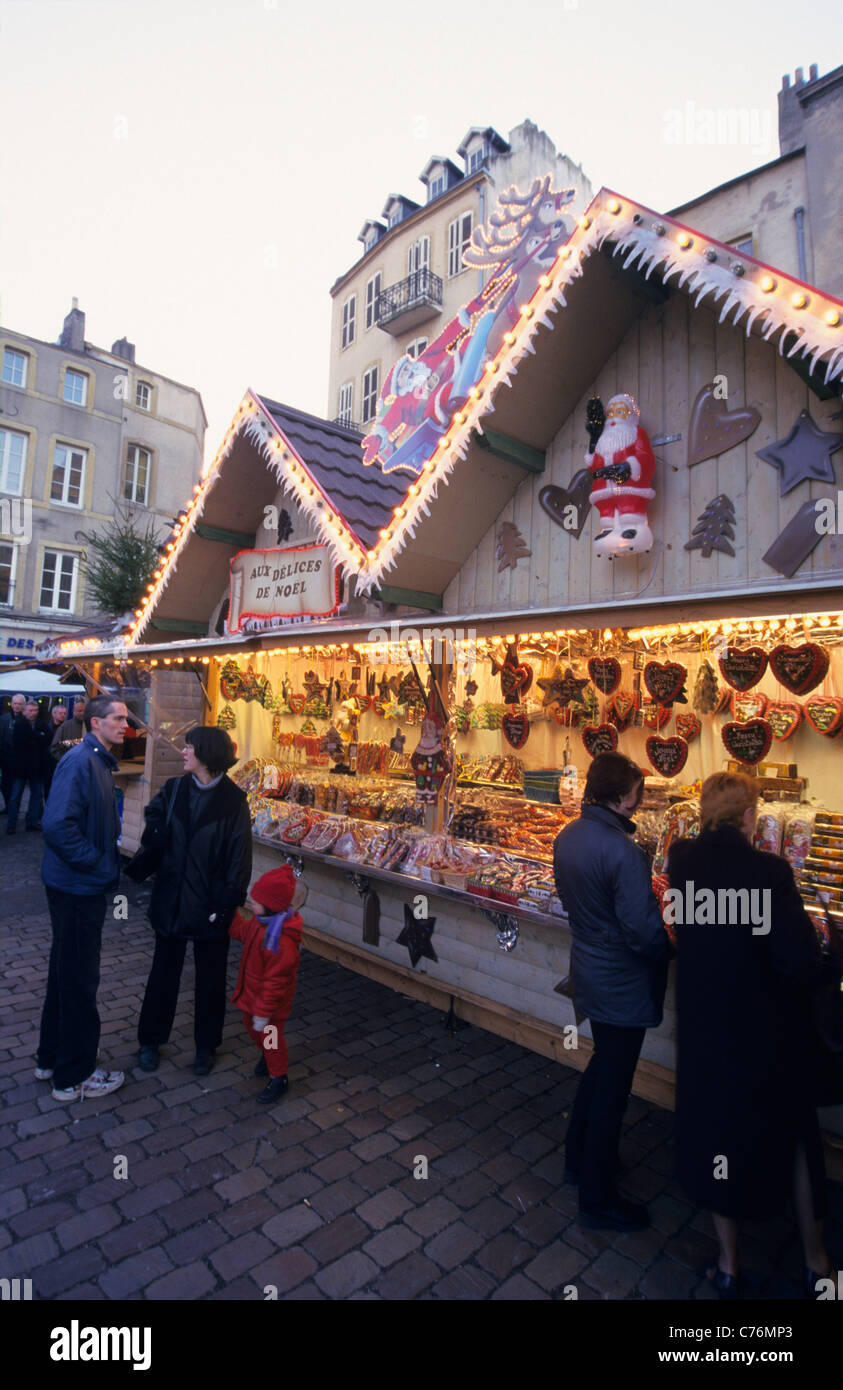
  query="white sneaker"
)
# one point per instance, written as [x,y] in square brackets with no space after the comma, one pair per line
[43,1073]
[99,1083]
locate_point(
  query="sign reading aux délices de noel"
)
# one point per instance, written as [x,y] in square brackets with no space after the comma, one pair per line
[295,583]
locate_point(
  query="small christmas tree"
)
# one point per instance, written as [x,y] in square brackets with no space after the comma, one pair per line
[511,547]
[715,528]
[226,718]
[706,689]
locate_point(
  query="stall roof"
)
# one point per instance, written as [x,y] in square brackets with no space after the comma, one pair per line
[31,681]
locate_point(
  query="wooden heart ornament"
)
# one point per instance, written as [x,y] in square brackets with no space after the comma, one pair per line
[743,667]
[713,428]
[516,729]
[621,709]
[784,719]
[516,676]
[799,669]
[749,742]
[688,727]
[748,705]
[656,716]
[668,755]
[296,703]
[665,680]
[605,672]
[825,714]
[600,738]
[365,702]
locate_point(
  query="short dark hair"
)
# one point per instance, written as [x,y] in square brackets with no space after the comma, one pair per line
[213,747]
[610,778]
[98,708]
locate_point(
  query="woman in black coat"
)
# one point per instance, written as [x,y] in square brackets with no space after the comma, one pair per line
[203,820]
[747,1135]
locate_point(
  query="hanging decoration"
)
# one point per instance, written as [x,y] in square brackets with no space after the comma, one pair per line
[799,669]
[746,705]
[511,547]
[713,428]
[569,506]
[715,529]
[665,682]
[798,538]
[396,743]
[600,738]
[804,455]
[409,691]
[430,762]
[308,728]
[516,676]
[825,714]
[655,716]
[226,719]
[688,727]
[416,936]
[230,681]
[516,728]
[621,462]
[560,690]
[706,688]
[668,755]
[621,709]
[605,673]
[724,696]
[784,719]
[743,667]
[297,703]
[748,743]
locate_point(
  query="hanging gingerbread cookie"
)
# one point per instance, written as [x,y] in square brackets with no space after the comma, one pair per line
[516,676]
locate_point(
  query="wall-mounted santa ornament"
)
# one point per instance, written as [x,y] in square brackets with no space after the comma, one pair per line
[621,462]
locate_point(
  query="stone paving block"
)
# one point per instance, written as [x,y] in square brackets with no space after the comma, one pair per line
[131,1237]
[242,1255]
[246,1215]
[337,1197]
[126,1278]
[466,1283]
[335,1239]
[408,1278]
[68,1271]
[489,1217]
[152,1198]
[41,1218]
[557,1265]
[188,1210]
[392,1244]
[283,1271]
[642,1246]
[242,1184]
[344,1277]
[195,1243]
[383,1208]
[433,1216]
[454,1245]
[192,1282]
[613,1274]
[78,1230]
[691,1249]
[505,1254]
[518,1289]
[665,1279]
[25,1256]
[291,1226]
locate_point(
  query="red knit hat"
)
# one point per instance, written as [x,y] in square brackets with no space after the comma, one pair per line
[274,890]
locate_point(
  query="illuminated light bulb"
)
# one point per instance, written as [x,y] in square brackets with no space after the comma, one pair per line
[527,310]
[607,634]
[154,661]
[180,660]
[832,318]
[475,393]
[138,612]
[170,545]
[767,283]
[383,533]
[167,661]
[399,511]
[585,223]
[825,622]
[544,281]
[685,241]
[799,300]
[414,490]
[206,661]
[150,588]
[509,336]
[790,624]
[613,205]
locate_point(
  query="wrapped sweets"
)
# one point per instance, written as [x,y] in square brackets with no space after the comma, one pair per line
[681,821]
[796,841]
[769,829]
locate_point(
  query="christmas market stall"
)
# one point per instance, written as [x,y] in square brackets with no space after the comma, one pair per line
[599,511]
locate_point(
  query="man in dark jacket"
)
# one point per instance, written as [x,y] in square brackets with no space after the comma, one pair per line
[68,734]
[619,965]
[30,741]
[81,865]
[7,720]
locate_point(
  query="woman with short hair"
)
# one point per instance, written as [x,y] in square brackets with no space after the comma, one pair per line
[202,822]
[746,1126]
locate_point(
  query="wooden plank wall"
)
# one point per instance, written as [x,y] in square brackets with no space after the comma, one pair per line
[669,353]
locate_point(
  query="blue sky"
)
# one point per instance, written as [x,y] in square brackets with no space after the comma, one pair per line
[197,173]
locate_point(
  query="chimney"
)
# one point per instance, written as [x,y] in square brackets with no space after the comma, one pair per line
[813,72]
[791,114]
[123,348]
[73,329]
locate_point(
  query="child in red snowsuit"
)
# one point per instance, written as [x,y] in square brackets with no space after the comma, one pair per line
[270,928]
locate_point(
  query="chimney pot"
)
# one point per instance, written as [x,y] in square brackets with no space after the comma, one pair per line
[75,302]
[73,329]
[785,81]
[800,76]
[813,72]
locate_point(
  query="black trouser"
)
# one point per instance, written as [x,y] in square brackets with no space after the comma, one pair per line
[594,1130]
[162,992]
[6,780]
[70,1024]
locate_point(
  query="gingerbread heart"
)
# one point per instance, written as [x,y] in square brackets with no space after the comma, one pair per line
[621,709]
[365,702]
[665,680]
[656,716]
[749,742]
[713,428]
[516,729]
[516,676]
[668,755]
[297,703]
[743,667]
[724,695]
[605,672]
[688,727]
[745,705]
[600,738]
[783,719]
[825,714]
[569,507]
[799,669]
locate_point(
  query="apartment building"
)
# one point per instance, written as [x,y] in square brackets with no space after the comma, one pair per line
[410,280]
[83,430]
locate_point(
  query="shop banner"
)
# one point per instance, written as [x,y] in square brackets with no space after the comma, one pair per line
[295,583]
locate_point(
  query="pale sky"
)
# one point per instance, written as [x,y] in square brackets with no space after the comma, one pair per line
[197,173]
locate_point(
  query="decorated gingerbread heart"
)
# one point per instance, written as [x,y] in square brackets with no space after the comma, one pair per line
[825,714]
[605,672]
[656,716]
[748,704]
[668,755]
[600,738]
[516,729]
[799,669]
[516,676]
[688,727]
[621,709]
[743,667]
[784,719]
[665,680]
[749,742]
[297,703]
[724,695]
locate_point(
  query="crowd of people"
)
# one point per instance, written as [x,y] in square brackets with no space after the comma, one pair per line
[752,1066]
[31,746]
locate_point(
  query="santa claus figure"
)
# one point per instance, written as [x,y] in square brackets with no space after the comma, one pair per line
[430,762]
[622,465]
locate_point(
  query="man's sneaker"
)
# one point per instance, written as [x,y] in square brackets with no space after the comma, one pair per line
[43,1073]
[99,1083]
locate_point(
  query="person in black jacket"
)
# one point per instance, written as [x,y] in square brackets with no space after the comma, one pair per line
[747,1134]
[619,959]
[202,821]
[30,741]
[7,721]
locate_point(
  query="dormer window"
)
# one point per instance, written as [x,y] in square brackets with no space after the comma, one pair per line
[395,214]
[436,187]
[477,158]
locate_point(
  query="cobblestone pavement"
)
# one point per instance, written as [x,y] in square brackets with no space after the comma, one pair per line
[317,1197]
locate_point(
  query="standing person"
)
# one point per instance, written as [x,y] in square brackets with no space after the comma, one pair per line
[201,821]
[58,717]
[71,732]
[81,865]
[747,1135]
[30,741]
[7,720]
[619,958]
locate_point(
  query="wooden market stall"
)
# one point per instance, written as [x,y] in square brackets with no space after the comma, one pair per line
[616,523]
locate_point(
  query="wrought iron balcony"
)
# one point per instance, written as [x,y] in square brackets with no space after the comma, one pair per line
[347,423]
[411,302]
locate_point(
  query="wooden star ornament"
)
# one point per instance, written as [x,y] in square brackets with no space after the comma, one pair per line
[560,690]
[804,455]
[416,936]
